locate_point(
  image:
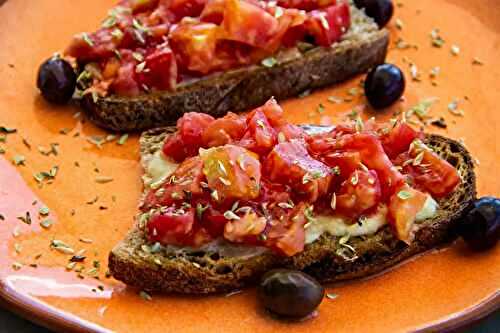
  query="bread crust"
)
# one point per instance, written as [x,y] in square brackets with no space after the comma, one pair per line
[363,46]
[203,272]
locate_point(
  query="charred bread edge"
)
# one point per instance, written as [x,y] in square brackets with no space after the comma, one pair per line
[363,46]
[203,273]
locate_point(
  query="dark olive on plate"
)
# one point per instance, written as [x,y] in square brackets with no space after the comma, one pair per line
[480,227]
[380,10]
[56,80]
[384,85]
[289,293]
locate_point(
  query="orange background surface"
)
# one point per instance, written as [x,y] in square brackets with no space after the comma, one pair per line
[433,288]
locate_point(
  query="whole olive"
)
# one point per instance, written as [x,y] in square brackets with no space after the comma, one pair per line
[290,293]
[384,85]
[380,10]
[480,227]
[56,80]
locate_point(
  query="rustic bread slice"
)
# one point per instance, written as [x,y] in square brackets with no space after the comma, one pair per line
[362,47]
[224,268]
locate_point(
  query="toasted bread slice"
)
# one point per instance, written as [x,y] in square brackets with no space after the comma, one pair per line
[362,47]
[222,267]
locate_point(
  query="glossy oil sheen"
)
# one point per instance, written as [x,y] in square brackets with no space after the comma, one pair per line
[439,286]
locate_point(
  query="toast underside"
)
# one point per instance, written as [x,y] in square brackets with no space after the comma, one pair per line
[362,47]
[201,271]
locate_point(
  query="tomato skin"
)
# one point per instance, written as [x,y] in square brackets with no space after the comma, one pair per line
[160,70]
[225,130]
[346,161]
[183,8]
[398,139]
[245,229]
[327,25]
[432,174]
[289,163]
[248,23]
[232,171]
[359,194]
[186,178]
[307,5]
[125,84]
[260,136]
[188,140]
[373,156]
[288,237]
[402,212]
[171,226]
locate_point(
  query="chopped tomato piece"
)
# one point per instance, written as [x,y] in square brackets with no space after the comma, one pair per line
[225,130]
[248,23]
[188,140]
[429,171]
[182,185]
[398,139]
[403,208]
[329,24]
[184,8]
[260,136]
[91,47]
[195,46]
[125,83]
[373,156]
[248,226]
[343,163]
[159,70]
[213,12]
[172,226]
[289,163]
[288,236]
[359,194]
[233,173]
[306,4]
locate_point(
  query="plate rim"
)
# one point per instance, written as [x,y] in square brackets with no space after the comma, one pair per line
[38,312]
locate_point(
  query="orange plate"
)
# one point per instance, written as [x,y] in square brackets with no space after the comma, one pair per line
[444,288]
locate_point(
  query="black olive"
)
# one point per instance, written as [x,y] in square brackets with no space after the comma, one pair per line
[384,85]
[290,293]
[380,10]
[56,80]
[480,227]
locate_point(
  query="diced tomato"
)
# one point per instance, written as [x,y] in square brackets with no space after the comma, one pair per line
[125,83]
[172,226]
[403,208]
[288,236]
[92,47]
[307,5]
[159,70]
[225,130]
[213,12]
[248,23]
[344,162]
[184,8]
[398,139]
[289,163]
[138,6]
[213,220]
[358,195]
[329,24]
[274,192]
[195,46]
[188,140]
[373,156]
[232,172]
[260,136]
[245,229]
[428,171]
[182,185]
